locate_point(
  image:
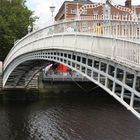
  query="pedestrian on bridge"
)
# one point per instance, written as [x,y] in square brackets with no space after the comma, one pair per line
[98,29]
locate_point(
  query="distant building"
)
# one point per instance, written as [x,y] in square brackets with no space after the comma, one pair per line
[86,8]
[75,8]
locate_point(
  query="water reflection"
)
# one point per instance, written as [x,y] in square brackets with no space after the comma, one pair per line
[90,118]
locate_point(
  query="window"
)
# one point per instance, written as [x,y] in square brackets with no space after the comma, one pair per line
[138,15]
[73,11]
[124,13]
[116,13]
[95,13]
[84,12]
[107,10]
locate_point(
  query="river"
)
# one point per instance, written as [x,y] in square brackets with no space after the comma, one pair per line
[97,117]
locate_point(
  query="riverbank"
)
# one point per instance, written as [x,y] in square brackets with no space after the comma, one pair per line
[53,90]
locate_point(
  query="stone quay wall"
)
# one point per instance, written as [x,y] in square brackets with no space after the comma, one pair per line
[1,75]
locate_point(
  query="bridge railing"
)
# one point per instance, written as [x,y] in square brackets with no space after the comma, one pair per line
[126,28]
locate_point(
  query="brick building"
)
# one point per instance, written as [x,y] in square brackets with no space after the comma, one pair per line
[86,8]
[75,8]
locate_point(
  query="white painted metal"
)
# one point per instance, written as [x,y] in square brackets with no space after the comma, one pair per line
[111,47]
[133,94]
[51,57]
[78,26]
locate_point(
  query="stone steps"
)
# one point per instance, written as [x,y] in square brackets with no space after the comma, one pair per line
[34,83]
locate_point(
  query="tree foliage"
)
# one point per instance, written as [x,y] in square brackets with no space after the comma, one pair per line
[15,18]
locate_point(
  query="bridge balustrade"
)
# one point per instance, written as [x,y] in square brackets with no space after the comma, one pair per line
[128,30]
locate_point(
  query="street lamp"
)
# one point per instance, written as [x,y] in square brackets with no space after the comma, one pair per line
[29,29]
[77,11]
[52,9]
[107,11]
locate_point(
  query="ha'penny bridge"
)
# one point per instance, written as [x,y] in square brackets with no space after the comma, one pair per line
[105,49]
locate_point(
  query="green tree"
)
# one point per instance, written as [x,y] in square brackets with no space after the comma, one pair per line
[15,18]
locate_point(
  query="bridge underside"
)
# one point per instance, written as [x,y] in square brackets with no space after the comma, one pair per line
[23,73]
[122,82]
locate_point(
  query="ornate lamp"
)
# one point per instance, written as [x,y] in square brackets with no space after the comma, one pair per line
[52,9]
[29,28]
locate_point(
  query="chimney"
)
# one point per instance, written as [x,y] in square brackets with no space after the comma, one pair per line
[128,4]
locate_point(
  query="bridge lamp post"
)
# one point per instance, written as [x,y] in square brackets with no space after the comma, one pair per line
[77,11]
[29,29]
[52,9]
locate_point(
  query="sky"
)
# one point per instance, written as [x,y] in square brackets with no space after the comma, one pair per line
[41,8]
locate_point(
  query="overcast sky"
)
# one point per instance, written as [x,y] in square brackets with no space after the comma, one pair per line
[41,8]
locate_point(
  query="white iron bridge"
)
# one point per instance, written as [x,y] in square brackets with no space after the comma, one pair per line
[106,51]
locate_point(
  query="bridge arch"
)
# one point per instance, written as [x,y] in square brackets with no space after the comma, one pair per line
[111,62]
[109,75]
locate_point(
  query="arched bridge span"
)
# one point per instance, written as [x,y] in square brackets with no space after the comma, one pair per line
[110,62]
[119,81]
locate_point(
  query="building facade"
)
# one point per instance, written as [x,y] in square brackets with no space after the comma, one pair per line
[85,8]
